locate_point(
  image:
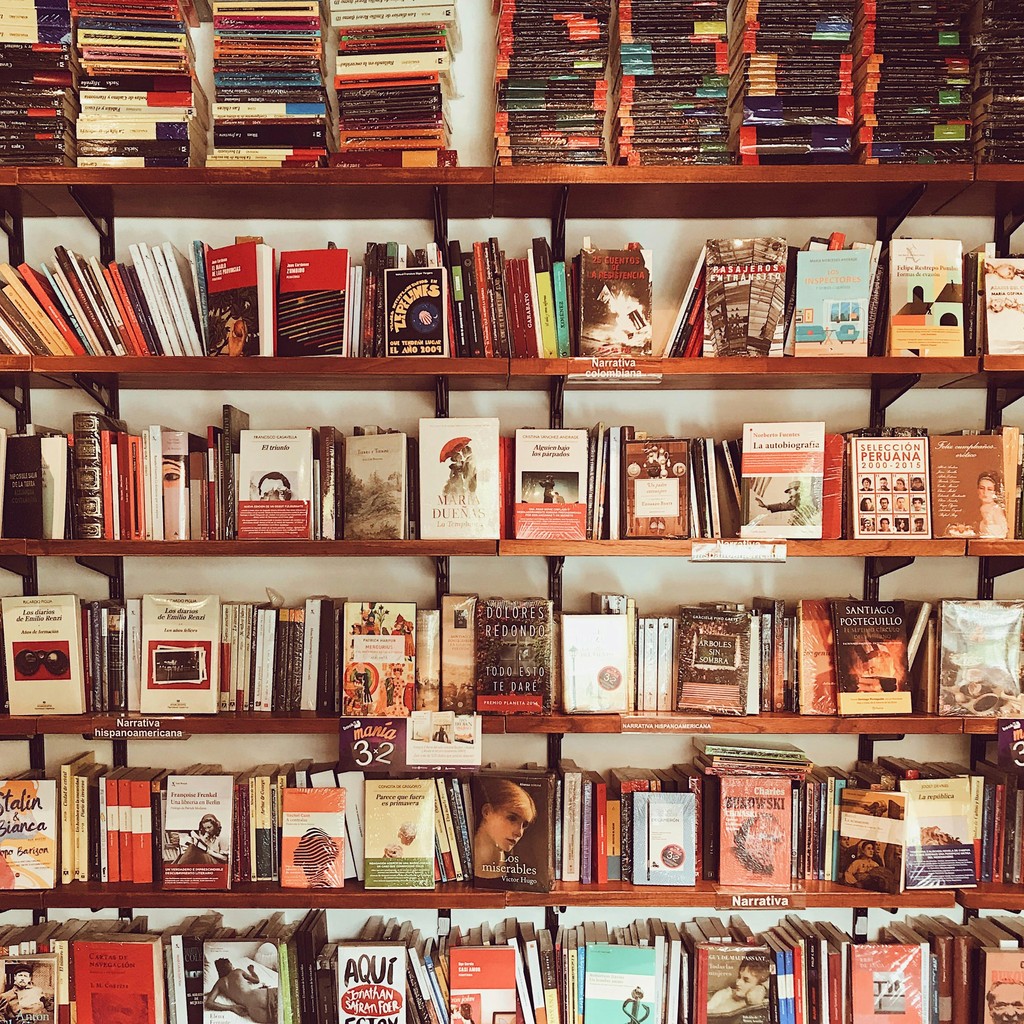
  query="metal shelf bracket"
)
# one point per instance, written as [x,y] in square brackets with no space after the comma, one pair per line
[24,566]
[558,219]
[884,393]
[16,393]
[876,567]
[101,221]
[442,396]
[556,563]
[442,576]
[440,210]
[999,398]
[111,566]
[866,743]
[889,222]
[12,223]
[107,396]
[990,569]
[1007,222]
[556,397]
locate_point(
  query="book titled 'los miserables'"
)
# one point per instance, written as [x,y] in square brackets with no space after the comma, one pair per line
[756,828]
[871,657]
[514,830]
[714,661]
[514,656]
[197,832]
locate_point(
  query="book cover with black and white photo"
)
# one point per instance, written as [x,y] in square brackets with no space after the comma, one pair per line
[890,489]
[234,966]
[197,832]
[181,654]
[275,485]
[551,482]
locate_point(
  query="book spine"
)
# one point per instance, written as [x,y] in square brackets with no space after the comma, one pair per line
[88,476]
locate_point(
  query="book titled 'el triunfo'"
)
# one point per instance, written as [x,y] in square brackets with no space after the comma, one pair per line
[275,485]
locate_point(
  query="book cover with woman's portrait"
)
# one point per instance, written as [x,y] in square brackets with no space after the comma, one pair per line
[513,834]
[197,832]
[969,496]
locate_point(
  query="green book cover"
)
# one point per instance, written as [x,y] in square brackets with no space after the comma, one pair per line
[561,309]
[619,986]
[399,850]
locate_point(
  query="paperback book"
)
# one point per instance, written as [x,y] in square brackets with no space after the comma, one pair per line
[416,311]
[379,668]
[886,473]
[231,966]
[375,488]
[458,653]
[119,978]
[872,839]
[656,485]
[312,302]
[275,485]
[714,656]
[756,828]
[30,988]
[664,838]
[872,672]
[816,659]
[240,288]
[551,480]
[888,983]
[939,834]
[515,656]
[197,832]
[181,637]
[595,664]
[967,487]
[733,983]
[620,980]
[399,841]
[313,838]
[615,302]
[1004,307]
[372,982]
[482,984]
[926,297]
[833,292]
[28,834]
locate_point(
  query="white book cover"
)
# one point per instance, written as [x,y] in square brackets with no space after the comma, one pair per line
[782,470]
[171,298]
[891,493]
[375,487]
[180,654]
[133,651]
[371,982]
[232,967]
[551,484]
[197,832]
[275,485]
[43,648]
[595,658]
[459,479]
[1004,306]
[53,452]
[184,291]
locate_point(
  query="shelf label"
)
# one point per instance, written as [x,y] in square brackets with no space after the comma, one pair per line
[632,724]
[140,729]
[726,899]
[426,740]
[614,370]
[737,551]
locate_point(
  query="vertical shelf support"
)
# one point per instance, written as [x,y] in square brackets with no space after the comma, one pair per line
[556,400]
[860,924]
[990,569]
[17,394]
[444,921]
[440,210]
[551,916]
[111,566]
[1007,222]
[25,567]
[876,567]
[442,576]
[556,563]
[885,392]
[998,399]
[554,750]
[866,743]
[39,916]
[442,394]
[558,219]
[12,223]
[119,753]
[101,220]
[979,747]
[104,393]
[37,753]
[889,223]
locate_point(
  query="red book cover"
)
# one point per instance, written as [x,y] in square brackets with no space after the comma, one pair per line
[119,981]
[756,830]
[137,484]
[816,665]
[482,983]
[484,305]
[832,488]
[886,984]
[142,836]
[113,834]
[124,485]
[232,283]
[312,296]
[126,333]
[130,318]
[106,442]
[40,288]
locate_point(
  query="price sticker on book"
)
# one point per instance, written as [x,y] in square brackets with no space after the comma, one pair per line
[426,740]
[737,551]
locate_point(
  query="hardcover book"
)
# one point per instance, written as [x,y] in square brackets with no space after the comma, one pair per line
[833,291]
[783,469]
[313,838]
[416,311]
[118,979]
[312,302]
[399,850]
[714,661]
[656,488]
[482,984]
[181,637]
[980,658]
[939,834]
[459,479]
[515,656]
[197,832]
[872,673]
[30,988]
[926,297]
[372,982]
[887,984]
[375,487]
[275,485]
[620,980]
[240,289]
[28,834]
[664,838]
[43,651]
[595,664]
[379,668]
[551,481]
[872,837]
[968,489]
[238,966]
[23,497]
[732,983]
[514,830]
[615,302]
[1004,307]
[458,653]
[816,659]
[755,830]
[889,473]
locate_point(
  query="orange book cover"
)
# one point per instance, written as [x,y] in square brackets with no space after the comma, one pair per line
[756,831]
[887,984]
[816,665]
[313,839]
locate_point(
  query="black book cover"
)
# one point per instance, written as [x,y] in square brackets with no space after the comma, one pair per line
[872,674]
[514,656]
[415,303]
[23,488]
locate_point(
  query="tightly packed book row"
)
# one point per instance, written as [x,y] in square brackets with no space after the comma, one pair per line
[695,972]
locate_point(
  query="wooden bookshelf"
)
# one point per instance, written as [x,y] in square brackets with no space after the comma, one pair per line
[260,548]
[682,548]
[990,896]
[995,548]
[313,373]
[980,726]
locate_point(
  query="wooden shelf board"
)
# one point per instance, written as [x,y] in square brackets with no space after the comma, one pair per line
[688,192]
[264,548]
[973,726]
[315,373]
[682,548]
[95,896]
[1012,365]
[13,725]
[404,193]
[22,900]
[992,897]
[745,372]
[995,548]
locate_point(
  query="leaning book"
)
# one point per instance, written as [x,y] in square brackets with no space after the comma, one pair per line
[872,838]
[181,654]
[43,651]
[275,485]
[399,841]
[939,834]
[197,832]
[28,834]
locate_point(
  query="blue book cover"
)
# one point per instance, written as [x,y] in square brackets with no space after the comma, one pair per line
[833,289]
[620,984]
[664,838]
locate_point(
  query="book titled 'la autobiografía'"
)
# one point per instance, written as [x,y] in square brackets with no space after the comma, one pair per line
[514,656]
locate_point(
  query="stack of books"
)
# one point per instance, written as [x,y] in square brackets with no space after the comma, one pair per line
[913,82]
[792,92]
[39,105]
[270,107]
[998,125]
[550,82]
[141,103]
[393,79]
[672,84]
